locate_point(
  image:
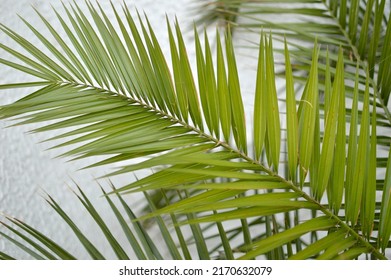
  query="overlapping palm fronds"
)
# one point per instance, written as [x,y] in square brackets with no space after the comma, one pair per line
[362,28]
[127,101]
[139,243]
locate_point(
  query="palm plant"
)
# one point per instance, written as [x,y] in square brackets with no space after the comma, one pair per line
[310,181]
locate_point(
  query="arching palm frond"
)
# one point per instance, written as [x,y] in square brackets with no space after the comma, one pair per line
[122,99]
[139,244]
[362,28]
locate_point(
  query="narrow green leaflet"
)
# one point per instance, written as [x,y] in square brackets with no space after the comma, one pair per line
[225,241]
[238,117]
[22,245]
[353,204]
[211,89]
[308,117]
[86,243]
[260,102]
[126,229]
[340,246]
[188,80]
[342,13]
[315,157]
[327,85]
[263,246]
[167,237]
[337,184]
[369,203]
[330,131]
[181,238]
[202,87]
[384,70]
[352,143]
[374,45]
[316,248]
[352,253]
[222,91]
[46,63]
[385,216]
[115,245]
[198,236]
[291,119]
[178,75]
[364,29]
[272,114]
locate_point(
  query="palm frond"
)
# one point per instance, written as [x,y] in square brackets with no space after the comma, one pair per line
[38,246]
[363,32]
[121,99]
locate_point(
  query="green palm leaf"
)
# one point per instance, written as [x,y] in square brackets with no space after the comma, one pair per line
[41,247]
